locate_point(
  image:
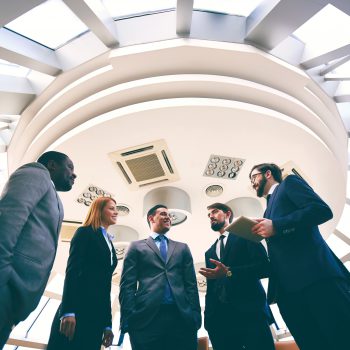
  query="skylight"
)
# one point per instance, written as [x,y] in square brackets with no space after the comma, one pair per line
[122,8]
[237,7]
[51,24]
[8,68]
[329,29]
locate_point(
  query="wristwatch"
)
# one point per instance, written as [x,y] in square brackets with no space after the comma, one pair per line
[229,273]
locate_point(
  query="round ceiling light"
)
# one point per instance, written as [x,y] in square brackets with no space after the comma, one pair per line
[214,190]
[123,210]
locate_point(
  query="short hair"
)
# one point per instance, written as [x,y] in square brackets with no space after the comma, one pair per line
[94,216]
[153,210]
[58,157]
[225,208]
[264,167]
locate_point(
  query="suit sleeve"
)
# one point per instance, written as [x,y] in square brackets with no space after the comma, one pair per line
[74,272]
[190,283]
[128,286]
[256,264]
[24,189]
[310,210]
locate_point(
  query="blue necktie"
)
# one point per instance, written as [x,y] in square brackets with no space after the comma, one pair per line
[168,297]
[162,246]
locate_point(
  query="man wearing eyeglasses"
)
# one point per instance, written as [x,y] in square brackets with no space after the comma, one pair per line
[309,283]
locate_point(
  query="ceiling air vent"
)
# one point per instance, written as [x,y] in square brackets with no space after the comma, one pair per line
[145,164]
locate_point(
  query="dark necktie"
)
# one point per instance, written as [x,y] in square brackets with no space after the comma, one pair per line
[222,247]
[268,198]
[168,296]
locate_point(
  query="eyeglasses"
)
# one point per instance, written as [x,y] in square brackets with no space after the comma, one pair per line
[252,178]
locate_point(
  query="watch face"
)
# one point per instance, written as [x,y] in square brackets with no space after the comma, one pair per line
[228,273]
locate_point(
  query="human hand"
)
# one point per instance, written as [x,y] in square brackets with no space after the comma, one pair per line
[67,326]
[107,338]
[219,271]
[264,228]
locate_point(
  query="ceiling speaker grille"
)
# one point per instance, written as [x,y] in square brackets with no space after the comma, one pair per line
[145,168]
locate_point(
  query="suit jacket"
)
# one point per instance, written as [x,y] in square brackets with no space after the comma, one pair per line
[242,292]
[86,291]
[298,254]
[144,278]
[30,220]
[87,284]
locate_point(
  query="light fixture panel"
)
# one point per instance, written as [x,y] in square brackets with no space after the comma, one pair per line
[223,167]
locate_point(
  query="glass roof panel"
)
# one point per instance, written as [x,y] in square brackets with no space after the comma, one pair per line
[8,68]
[343,70]
[320,32]
[238,7]
[40,25]
[122,8]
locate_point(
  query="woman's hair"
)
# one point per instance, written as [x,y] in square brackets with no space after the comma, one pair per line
[94,216]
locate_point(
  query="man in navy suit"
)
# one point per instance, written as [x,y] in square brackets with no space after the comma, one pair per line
[309,283]
[236,313]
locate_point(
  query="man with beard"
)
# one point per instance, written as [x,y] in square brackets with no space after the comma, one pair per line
[159,301]
[31,214]
[309,283]
[236,314]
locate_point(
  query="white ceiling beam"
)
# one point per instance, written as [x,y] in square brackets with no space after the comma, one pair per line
[342,98]
[274,20]
[334,65]
[10,83]
[343,237]
[95,15]
[5,120]
[5,127]
[24,52]
[326,57]
[345,258]
[184,9]
[15,8]
[14,103]
[336,78]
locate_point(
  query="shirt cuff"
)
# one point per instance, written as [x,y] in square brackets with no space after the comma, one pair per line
[67,315]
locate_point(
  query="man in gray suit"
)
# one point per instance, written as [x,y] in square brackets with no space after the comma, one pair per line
[159,300]
[31,214]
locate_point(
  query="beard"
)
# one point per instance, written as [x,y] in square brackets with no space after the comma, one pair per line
[217,226]
[261,187]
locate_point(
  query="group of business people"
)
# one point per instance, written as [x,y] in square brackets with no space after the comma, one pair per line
[159,300]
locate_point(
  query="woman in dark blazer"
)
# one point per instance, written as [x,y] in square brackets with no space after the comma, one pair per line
[84,320]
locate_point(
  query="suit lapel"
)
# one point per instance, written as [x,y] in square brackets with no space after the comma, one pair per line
[267,212]
[230,239]
[102,243]
[150,242]
[171,248]
[212,251]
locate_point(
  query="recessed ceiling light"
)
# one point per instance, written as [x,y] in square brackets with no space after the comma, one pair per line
[214,190]
[123,210]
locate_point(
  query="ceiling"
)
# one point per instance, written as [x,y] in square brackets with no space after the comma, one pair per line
[206,83]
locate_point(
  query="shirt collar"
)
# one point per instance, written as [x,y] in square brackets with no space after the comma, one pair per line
[272,188]
[224,234]
[105,233]
[154,235]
